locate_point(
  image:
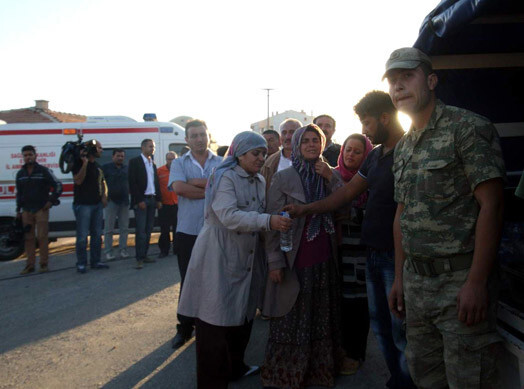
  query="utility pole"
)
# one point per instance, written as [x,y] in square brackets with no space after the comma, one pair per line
[267,89]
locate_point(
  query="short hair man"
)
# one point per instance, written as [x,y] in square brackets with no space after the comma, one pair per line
[145,198]
[188,179]
[449,176]
[167,215]
[282,159]
[380,123]
[328,125]
[37,190]
[90,198]
[116,175]
[273,141]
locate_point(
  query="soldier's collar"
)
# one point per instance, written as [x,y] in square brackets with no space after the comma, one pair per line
[435,116]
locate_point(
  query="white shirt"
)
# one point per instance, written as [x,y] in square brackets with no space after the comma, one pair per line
[284,162]
[150,188]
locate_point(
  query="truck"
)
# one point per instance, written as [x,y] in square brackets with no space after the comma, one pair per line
[48,138]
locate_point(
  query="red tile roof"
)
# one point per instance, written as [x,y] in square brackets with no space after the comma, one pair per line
[36,115]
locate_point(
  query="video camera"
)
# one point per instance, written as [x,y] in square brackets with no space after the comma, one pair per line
[72,153]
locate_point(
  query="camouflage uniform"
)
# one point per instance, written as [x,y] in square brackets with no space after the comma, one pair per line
[436,170]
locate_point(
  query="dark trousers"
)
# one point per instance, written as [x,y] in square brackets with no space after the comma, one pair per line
[185,245]
[144,219]
[355,326]
[220,353]
[167,217]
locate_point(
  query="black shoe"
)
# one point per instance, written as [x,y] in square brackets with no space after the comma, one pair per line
[179,340]
[100,265]
[162,255]
[81,269]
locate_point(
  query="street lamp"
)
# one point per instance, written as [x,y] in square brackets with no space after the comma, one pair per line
[267,89]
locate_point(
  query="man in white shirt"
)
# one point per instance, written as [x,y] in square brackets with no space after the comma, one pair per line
[145,198]
[282,159]
[188,178]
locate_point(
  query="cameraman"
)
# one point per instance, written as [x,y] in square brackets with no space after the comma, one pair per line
[37,190]
[90,197]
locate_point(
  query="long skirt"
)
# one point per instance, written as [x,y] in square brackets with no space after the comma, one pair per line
[304,345]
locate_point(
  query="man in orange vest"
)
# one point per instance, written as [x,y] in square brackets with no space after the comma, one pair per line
[167,215]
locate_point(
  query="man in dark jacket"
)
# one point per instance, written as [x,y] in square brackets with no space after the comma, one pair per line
[116,176]
[328,126]
[145,198]
[37,190]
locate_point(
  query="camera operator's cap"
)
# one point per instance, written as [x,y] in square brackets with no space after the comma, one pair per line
[406,58]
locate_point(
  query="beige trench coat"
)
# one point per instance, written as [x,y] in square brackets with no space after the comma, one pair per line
[286,188]
[225,278]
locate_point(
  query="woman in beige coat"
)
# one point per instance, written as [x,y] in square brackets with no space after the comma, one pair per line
[225,276]
[303,291]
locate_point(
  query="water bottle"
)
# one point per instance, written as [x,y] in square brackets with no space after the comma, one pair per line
[286,238]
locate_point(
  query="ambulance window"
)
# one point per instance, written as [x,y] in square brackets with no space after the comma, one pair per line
[178,148]
[107,154]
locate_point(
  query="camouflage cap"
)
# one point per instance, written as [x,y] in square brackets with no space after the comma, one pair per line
[406,58]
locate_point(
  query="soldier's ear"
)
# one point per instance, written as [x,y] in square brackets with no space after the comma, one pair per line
[432,81]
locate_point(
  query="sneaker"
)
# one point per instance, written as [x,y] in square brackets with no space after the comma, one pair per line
[139,265]
[81,268]
[43,269]
[109,256]
[124,254]
[252,370]
[100,265]
[28,269]
[149,260]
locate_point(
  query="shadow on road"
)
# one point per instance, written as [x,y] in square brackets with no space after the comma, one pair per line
[38,307]
[160,369]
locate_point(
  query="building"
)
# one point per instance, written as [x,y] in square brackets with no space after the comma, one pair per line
[277,118]
[40,113]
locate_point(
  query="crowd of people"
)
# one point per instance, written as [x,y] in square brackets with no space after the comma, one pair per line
[390,230]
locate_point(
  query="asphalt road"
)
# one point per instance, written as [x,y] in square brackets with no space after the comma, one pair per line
[111,329]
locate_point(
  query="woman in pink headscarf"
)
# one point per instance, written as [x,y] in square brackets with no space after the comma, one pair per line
[354,305]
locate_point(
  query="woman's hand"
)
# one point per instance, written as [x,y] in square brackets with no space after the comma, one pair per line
[323,169]
[276,275]
[280,223]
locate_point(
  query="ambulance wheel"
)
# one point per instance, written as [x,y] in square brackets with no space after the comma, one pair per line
[8,252]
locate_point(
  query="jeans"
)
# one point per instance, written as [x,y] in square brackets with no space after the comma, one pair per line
[145,219]
[88,221]
[388,329]
[112,211]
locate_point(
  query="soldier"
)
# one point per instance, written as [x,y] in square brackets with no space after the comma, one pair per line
[449,188]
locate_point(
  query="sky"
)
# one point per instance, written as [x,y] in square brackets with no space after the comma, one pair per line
[204,59]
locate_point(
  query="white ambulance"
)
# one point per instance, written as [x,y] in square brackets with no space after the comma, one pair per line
[48,138]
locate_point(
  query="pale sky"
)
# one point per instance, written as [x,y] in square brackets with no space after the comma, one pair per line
[205,59]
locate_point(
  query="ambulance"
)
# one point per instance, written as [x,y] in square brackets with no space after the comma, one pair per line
[48,138]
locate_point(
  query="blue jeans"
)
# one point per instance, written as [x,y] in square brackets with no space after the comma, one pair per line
[88,221]
[113,211]
[145,219]
[389,331]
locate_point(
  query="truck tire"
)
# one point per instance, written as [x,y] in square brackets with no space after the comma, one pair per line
[8,252]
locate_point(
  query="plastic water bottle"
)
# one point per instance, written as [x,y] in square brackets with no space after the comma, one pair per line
[286,238]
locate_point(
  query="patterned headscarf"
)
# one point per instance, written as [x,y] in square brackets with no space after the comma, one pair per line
[313,183]
[241,144]
[347,174]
